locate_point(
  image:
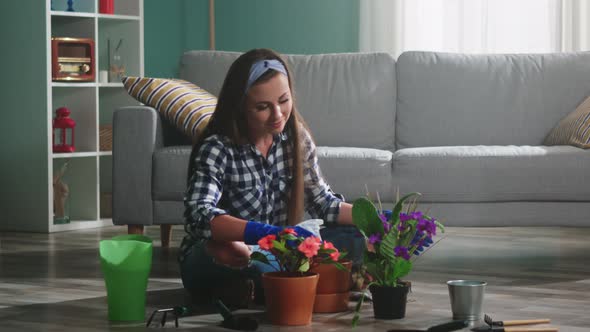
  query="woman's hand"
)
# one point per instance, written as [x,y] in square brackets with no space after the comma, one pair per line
[234,254]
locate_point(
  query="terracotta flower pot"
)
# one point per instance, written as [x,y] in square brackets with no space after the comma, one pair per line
[289,297]
[333,288]
[390,302]
[332,280]
[330,303]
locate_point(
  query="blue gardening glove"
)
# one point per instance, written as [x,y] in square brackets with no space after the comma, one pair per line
[256,230]
[303,232]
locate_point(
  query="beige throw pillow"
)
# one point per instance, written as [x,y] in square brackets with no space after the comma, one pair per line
[185,105]
[574,129]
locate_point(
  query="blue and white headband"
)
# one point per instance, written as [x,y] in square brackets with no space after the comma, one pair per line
[259,68]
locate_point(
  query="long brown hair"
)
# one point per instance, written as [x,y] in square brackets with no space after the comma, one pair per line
[228,120]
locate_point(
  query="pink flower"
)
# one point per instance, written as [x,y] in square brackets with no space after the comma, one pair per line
[288,231]
[266,242]
[335,255]
[328,245]
[310,246]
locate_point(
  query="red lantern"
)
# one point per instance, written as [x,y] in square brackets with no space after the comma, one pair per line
[63,128]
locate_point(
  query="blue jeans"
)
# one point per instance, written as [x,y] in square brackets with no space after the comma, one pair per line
[200,273]
[346,238]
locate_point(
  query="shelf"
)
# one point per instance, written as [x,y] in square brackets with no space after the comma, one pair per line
[74,155]
[84,189]
[81,224]
[73,84]
[118,17]
[92,15]
[71,14]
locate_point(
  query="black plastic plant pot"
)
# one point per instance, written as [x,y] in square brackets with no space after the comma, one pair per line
[389,302]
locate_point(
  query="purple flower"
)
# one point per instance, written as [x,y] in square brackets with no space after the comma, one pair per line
[383,217]
[375,238]
[426,225]
[402,252]
[416,215]
[404,217]
[402,226]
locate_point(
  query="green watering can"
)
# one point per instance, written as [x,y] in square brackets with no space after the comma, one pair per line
[126,261]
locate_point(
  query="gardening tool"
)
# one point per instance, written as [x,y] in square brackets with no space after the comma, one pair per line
[175,311]
[446,327]
[491,322]
[235,323]
[487,328]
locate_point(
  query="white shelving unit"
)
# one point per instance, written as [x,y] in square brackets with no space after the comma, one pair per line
[91,104]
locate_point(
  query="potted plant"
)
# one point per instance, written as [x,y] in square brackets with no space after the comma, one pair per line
[290,292]
[392,240]
[333,289]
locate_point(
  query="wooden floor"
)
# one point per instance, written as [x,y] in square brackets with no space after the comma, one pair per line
[53,282]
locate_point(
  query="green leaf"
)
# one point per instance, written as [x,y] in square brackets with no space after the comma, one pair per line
[373,270]
[440,226]
[258,256]
[289,237]
[357,310]
[363,233]
[279,246]
[339,266]
[408,235]
[304,267]
[366,218]
[401,269]
[387,246]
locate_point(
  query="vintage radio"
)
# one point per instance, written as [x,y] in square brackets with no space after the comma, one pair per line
[72,59]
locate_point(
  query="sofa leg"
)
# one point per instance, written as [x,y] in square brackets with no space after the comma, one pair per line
[135,229]
[165,235]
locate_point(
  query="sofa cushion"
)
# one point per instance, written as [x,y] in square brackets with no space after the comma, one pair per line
[494,173]
[348,170]
[183,104]
[347,99]
[169,173]
[574,129]
[457,99]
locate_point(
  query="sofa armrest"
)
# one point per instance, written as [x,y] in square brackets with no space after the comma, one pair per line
[137,133]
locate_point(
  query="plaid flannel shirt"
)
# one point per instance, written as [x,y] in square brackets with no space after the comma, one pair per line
[237,180]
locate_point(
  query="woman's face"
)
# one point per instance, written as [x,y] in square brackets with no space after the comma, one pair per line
[268,107]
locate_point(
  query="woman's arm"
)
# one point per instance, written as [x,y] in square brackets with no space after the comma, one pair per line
[345,214]
[227,228]
[203,195]
[320,200]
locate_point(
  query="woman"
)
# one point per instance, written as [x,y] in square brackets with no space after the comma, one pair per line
[254,171]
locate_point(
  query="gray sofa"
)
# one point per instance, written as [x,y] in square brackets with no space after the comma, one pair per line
[464,130]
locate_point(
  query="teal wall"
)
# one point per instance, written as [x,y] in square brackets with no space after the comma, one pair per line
[287,26]
[170,28]
[24,173]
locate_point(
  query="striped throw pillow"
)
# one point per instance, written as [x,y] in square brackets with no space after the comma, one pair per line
[183,104]
[574,129]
